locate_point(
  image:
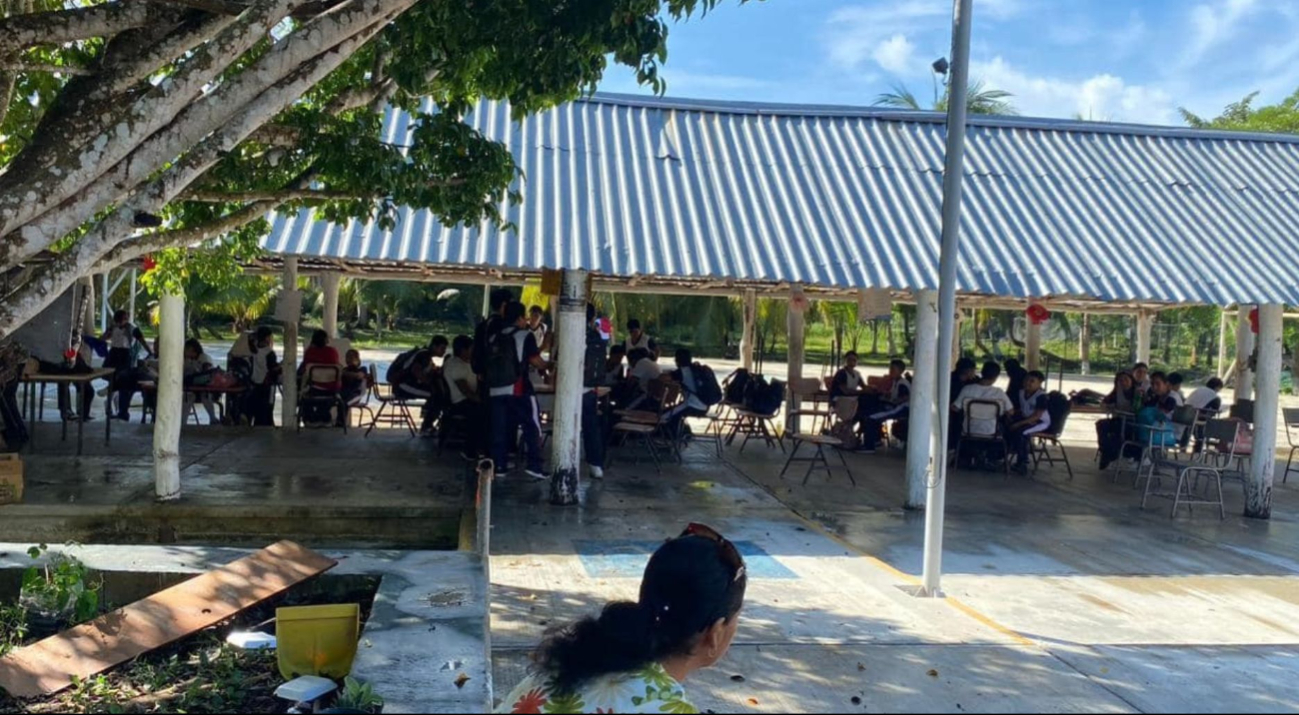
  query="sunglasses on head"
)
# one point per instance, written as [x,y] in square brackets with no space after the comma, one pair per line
[730,554]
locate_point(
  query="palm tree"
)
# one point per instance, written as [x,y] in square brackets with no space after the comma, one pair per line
[979,100]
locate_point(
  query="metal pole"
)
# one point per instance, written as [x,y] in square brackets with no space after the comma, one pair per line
[103,314]
[955,158]
[750,322]
[796,337]
[487,299]
[289,386]
[1244,351]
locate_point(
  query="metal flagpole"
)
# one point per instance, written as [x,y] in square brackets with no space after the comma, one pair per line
[958,84]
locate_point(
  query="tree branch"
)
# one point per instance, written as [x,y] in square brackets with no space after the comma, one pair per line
[60,26]
[69,70]
[216,7]
[124,72]
[277,195]
[362,97]
[23,199]
[214,113]
[139,247]
[51,280]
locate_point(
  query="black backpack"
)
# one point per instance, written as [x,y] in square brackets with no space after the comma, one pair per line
[399,370]
[1058,406]
[593,373]
[765,397]
[707,388]
[502,366]
[738,386]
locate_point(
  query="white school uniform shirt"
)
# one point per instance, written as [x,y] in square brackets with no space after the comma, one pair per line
[455,370]
[203,362]
[1028,404]
[989,393]
[642,344]
[121,337]
[1201,398]
[645,372]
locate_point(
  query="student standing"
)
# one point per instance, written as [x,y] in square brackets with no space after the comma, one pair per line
[123,340]
[638,339]
[266,374]
[513,401]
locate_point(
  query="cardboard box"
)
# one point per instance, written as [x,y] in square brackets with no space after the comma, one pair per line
[11,479]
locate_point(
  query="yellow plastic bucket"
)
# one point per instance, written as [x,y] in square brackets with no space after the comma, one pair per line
[317,640]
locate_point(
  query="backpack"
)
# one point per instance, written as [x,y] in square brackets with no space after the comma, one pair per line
[765,397]
[707,389]
[1058,407]
[399,370]
[737,386]
[502,366]
[593,374]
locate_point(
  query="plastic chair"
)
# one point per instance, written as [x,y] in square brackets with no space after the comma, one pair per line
[1290,416]
[1243,410]
[396,407]
[1043,442]
[308,394]
[983,410]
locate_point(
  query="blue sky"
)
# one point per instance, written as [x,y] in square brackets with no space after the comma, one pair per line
[1129,61]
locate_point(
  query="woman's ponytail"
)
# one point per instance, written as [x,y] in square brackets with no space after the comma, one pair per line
[622,639]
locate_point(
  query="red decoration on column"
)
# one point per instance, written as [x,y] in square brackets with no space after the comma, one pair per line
[149,264]
[1037,314]
[1253,320]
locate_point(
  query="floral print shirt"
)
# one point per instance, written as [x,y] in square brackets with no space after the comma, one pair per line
[649,690]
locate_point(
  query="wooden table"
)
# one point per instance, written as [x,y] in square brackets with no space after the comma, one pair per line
[224,395]
[33,400]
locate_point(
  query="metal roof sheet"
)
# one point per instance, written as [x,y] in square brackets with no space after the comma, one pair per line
[848,198]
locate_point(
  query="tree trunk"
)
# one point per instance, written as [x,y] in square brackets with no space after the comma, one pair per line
[567,443]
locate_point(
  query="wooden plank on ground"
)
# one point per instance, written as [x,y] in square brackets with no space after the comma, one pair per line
[49,666]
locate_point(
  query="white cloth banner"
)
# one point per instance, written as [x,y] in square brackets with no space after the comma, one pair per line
[874,304]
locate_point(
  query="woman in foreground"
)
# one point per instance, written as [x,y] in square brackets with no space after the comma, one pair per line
[634,657]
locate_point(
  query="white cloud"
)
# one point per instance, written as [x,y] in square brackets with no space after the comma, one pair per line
[1212,24]
[880,32]
[896,55]
[1100,97]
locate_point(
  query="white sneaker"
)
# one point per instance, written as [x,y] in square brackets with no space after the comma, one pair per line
[596,472]
[535,475]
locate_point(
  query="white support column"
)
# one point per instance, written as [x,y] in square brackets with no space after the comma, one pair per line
[135,293]
[956,335]
[795,320]
[330,283]
[170,408]
[289,358]
[748,337]
[571,347]
[1085,344]
[487,299]
[1244,351]
[1033,346]
[105,314]
[1258,490]
[920,431]
[1145,322]
[1221,368]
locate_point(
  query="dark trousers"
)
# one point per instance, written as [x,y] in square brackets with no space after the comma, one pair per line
[475,425]
[1021,438]
[85,398]
[1109,438]
[261,405]
[509,413]
[120,360]
[594,437]
[872,423]
[676,417]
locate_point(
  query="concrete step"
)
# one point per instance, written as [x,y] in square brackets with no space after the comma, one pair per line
[425,527]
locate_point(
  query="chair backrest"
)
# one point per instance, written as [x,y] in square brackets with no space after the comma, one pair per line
[1221,434]
[982,410]
[845,408]
[321,375]
[804,386]
[1186,415]
[378,390]
[1243,410]
[828,381]
[670,397]
[1290,416]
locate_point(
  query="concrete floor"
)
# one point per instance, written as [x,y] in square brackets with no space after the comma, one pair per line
[1062,596]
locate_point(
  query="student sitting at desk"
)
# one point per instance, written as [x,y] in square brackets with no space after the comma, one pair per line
[198,367]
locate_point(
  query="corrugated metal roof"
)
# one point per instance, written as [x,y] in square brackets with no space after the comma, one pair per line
[850,198]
